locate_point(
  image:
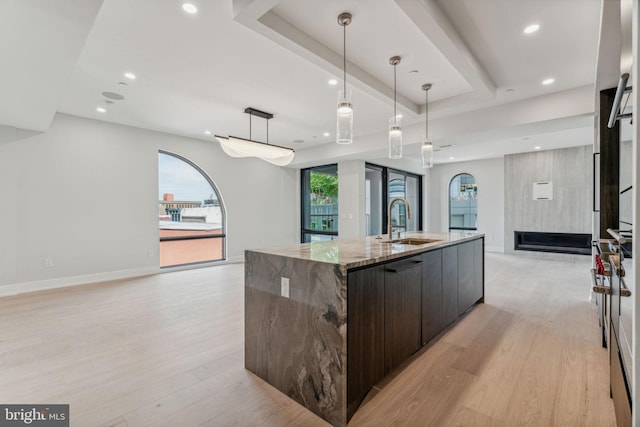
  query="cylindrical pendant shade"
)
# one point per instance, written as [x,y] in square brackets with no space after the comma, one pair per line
[395,138]
[427,154]
[344,130]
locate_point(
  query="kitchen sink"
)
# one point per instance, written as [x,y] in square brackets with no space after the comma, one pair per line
[412,241]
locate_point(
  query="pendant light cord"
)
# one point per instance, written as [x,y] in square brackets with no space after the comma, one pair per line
[344,60]
[426,114]
[395,116]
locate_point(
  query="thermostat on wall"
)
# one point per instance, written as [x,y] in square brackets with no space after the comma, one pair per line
[543,190]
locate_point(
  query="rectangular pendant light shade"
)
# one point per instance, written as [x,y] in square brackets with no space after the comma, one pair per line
[395,138]
[344,129]
[240,147]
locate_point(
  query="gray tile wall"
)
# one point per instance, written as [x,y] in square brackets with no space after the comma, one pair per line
[570,171]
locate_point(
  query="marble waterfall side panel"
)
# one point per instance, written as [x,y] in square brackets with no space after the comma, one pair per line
[298,344]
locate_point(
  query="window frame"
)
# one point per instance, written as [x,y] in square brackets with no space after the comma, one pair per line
[303,208]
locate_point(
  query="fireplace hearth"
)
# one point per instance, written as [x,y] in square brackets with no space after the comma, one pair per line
[566,243]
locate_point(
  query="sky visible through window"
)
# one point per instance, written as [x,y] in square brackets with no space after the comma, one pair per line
[179,178]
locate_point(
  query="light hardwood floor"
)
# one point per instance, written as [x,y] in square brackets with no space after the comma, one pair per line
[167,350]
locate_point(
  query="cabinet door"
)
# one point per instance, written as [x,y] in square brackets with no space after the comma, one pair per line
[466,264]
[402,310]
[432,321]
[470,274]
[449,284]
[478,270]
[365,333]
[618,388]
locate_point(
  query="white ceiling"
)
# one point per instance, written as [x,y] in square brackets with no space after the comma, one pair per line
[199,72]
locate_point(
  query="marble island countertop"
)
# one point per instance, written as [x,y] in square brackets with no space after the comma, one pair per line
[353,253]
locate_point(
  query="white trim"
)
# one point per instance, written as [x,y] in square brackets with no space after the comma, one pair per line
[236,259]
[63,282]
[233,260]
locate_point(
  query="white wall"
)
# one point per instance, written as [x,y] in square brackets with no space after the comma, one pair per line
[489,175]
[85,195]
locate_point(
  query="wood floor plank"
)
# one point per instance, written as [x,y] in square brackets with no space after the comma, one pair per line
[418,395]
[500,370]
[487,340]
[465,417]
[471,325]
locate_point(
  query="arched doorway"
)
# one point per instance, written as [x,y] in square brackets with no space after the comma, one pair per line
[463,202]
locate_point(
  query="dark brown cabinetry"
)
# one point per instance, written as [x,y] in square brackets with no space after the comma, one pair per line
[365,333]
[402,310]
[432,320]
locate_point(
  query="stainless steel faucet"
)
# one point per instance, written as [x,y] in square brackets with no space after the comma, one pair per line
[406,203]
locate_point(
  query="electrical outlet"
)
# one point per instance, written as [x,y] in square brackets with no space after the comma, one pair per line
[48,262]
[149,252]
[284,287]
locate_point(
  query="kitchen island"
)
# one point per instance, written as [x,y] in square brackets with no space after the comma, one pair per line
[325,321]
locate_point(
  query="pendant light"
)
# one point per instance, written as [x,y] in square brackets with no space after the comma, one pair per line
[395,125]
[240,147]
[344,131]
[427,145]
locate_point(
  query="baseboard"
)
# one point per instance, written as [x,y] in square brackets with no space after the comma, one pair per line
[63,282]
[498,249]
[236,259]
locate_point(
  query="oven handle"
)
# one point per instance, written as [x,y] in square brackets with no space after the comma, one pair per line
[597,288]
[616,235]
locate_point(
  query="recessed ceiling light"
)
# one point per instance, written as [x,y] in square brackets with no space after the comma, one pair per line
[207,132]
[130,76]
[451,158]
[531,28]
[190,8]
[398,116]
[326,134]
[413,72]
[298,141]
[509,90]
[537,147]
[333,82]
[548,81]
[101,110]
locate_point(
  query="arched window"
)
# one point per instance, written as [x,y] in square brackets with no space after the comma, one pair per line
[190,212]
[463,202]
